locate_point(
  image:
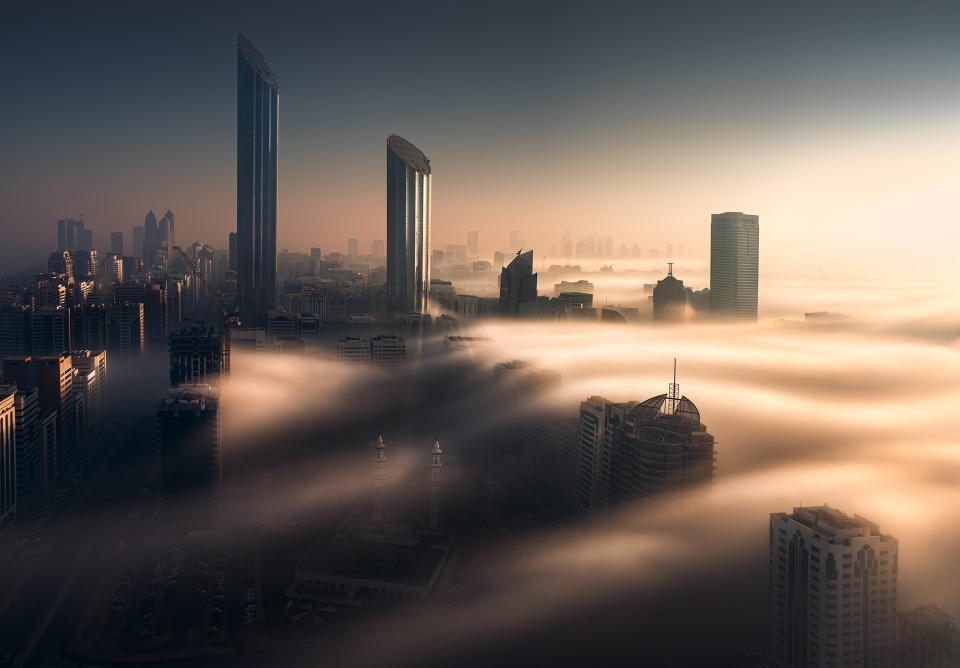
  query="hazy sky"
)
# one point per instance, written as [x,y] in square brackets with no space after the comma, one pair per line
[837,123]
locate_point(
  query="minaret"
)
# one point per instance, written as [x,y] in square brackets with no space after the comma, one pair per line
[435,486]
[378,462]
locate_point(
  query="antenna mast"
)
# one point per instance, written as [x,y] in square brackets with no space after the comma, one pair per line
[673,395]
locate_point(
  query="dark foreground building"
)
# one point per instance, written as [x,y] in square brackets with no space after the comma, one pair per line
[188,424]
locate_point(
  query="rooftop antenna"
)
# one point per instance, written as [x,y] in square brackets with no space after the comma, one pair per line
[670,273]
[673,395]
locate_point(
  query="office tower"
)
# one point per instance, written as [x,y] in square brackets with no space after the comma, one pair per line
[49,331]
[377,248]
[518,283]
[155,327]
[30,469]
[473,243]
[353,247]
[8,455]
[188,422]
[125,328]
[734,258]
[408,226]
[435,466]
[156,249]
[70,234]
[379,460]
[86,239]
[61,262]
[833,590]
[138,239]
[669,299]
[91,381]
[257,107]
[927,637]
[198,356]
[116,243]
[54,380]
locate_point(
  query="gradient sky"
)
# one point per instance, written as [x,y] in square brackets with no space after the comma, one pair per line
[837,123]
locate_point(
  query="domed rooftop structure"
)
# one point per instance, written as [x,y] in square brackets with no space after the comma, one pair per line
[657,406]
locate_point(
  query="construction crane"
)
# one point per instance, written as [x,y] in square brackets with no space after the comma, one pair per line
[230,316]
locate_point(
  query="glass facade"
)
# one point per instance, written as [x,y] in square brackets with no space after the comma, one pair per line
[408,226]
[256,261]
[734,259]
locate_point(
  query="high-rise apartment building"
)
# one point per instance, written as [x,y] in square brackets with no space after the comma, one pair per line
[8,455]
[188,422]
[125,328]
[54,378]
[473,243]
[91,382]
[50,331]
[734,261]
[833,590]
[257,108]
[353,247]
[198,355]
[138,239]
[30,471]
[408,226]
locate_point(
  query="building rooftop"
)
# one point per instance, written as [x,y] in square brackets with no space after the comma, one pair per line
[657,406]
[834,525]
[409,153]
[255,59]
[190,396]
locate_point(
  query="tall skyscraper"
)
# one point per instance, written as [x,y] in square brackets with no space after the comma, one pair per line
[734,260]
[518,283]
[8,455]
[353,247]
[408,225]
[833,590]
[30,469]
[257,108]
[116,243]
[188,421]
[473,243]
[928,638]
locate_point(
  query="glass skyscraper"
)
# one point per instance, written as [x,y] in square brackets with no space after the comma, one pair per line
[257,106]
[734,259]
[408,226]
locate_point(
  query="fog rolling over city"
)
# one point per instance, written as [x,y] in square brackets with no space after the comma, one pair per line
[856,413]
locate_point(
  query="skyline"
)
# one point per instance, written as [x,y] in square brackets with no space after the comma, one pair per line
[679,124]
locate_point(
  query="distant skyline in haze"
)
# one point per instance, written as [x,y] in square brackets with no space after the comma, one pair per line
[837,124]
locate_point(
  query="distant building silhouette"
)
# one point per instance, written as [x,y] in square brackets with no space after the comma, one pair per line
[669,299]
[833,589]
[409,179]
[256,259]
[734,259]
[927,638]
[518,284]
[116,243]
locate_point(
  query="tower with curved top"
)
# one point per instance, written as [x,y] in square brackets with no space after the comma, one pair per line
[408,226]
[257,106]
